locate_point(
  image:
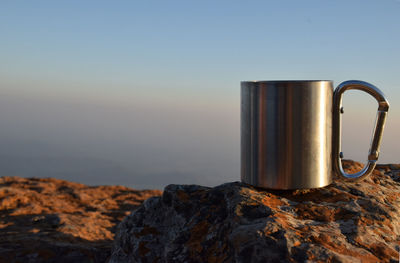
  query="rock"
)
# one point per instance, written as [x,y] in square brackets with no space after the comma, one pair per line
[50,220]
[235,222]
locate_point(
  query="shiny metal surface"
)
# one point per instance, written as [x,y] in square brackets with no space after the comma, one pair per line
[286,133]
[383,107]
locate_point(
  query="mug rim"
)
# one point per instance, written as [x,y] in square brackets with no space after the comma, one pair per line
[283,81]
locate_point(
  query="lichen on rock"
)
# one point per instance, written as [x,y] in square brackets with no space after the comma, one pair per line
[52,220]
[235,222]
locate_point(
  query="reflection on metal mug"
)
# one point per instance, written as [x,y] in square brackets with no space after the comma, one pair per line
[291,132]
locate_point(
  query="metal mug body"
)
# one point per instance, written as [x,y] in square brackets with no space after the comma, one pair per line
[286,134]
[291,132]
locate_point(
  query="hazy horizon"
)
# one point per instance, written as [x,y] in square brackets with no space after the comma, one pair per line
[139,144]
[148,94]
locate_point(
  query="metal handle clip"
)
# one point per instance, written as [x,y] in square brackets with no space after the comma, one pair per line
[383,107]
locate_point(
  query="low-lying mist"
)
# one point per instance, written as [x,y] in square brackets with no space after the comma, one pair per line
[141,144]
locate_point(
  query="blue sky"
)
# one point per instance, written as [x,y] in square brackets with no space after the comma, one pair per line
[186,58]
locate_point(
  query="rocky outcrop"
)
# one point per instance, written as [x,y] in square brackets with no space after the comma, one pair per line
[50,220]
[234,222]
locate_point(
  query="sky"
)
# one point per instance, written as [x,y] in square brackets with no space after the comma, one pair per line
[147,93]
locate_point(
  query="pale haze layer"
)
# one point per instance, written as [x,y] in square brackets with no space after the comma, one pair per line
[145,94]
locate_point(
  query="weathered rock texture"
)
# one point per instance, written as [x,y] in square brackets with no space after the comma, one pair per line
[50,220]
[234,222]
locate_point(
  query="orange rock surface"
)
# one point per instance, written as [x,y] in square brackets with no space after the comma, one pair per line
[46,219]
[235,222]
[51,220]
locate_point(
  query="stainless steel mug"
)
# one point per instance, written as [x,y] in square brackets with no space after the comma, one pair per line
[291,132]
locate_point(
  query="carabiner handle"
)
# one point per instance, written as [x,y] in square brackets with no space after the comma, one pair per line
[383,107]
